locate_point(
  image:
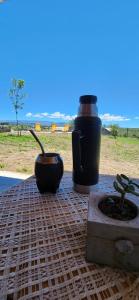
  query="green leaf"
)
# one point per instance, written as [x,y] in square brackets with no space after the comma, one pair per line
[137,185]
[118,178]
[125,177]
[117,188]
[120,182]
[134,193]
[130,189]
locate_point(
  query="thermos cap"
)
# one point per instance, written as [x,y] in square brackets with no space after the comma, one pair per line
[88,99]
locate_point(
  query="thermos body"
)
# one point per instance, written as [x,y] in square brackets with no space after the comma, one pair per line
[86,138]
[86,160]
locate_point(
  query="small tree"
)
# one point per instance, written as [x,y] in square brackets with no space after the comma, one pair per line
[16,94]
[71,125]
[114,130]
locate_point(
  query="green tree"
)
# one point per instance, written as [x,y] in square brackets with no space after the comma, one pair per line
[71,125]
[114,130]
[16,94]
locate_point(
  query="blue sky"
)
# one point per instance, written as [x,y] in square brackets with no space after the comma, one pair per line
[64,49]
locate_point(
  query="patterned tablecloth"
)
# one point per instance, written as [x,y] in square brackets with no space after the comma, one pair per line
[42,248]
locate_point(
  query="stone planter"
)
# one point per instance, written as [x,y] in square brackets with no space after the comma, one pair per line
[109,241]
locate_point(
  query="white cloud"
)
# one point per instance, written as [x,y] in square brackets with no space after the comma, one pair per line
[45,114]
[38,115]
[108,117]
[69,118]
[55,115]
[58,115]
[136,118]
[29,114]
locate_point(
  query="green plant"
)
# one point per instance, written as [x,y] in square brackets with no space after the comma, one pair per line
[114,130]
[2,166]
[123,185]
[16,94]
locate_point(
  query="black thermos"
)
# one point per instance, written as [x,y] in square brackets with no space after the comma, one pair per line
[86,138]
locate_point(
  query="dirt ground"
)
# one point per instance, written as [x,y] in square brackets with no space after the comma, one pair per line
[116,156]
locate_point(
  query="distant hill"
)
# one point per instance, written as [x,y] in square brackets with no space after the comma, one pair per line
[24,122]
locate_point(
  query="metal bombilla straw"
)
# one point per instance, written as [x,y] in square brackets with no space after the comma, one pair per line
[38,141]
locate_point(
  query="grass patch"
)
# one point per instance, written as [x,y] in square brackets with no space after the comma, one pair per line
[18,153]
[120,149]
[24,170]
[50,141]
[2,166]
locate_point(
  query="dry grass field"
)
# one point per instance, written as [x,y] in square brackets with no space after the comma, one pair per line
[18,154]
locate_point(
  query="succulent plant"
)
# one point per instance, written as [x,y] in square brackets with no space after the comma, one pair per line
[123,185]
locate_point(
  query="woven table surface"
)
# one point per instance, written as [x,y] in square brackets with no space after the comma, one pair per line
[42,248]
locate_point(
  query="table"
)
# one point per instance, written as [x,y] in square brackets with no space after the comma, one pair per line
[42,248]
